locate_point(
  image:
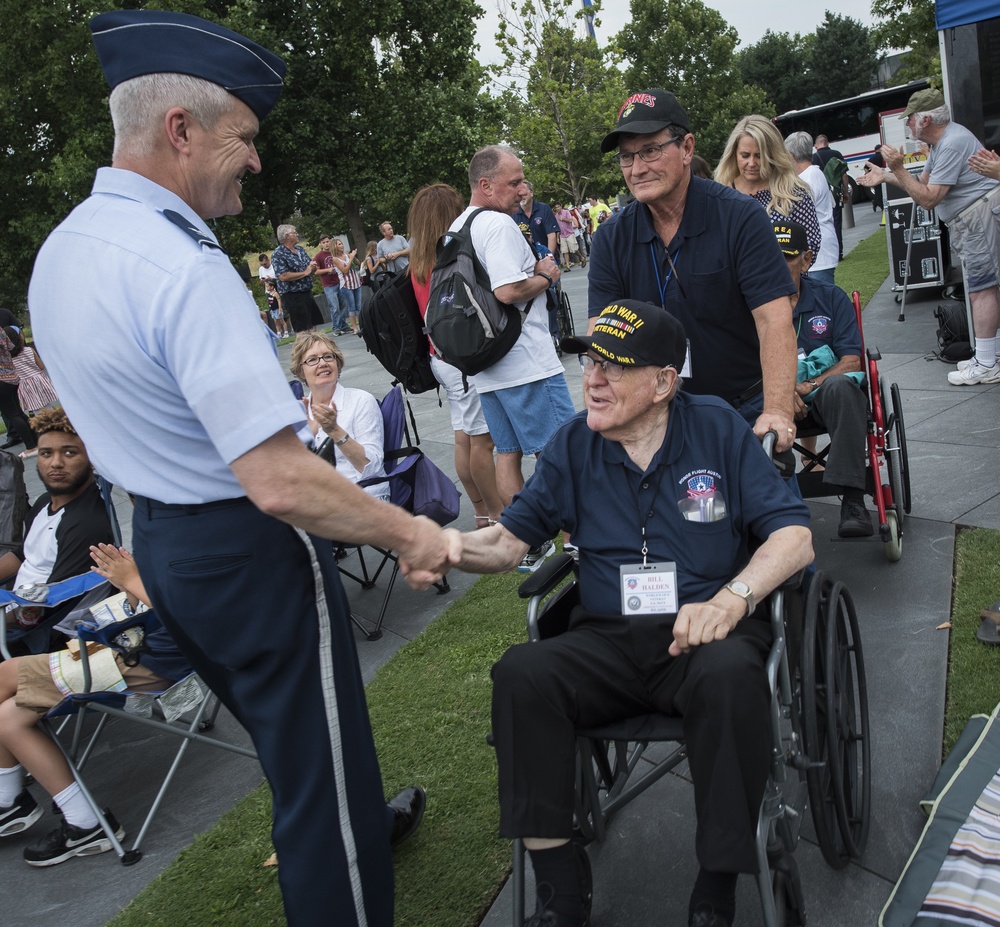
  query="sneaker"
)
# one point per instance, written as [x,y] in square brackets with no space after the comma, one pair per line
[975,373]
[572,550]
[534,557]
[855,522]
[962,365]
[67,841]
[19,816]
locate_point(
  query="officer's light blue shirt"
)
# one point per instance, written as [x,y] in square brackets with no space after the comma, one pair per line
[155,347]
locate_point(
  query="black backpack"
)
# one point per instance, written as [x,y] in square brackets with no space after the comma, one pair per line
[471,329]
[392,329]
[953,333]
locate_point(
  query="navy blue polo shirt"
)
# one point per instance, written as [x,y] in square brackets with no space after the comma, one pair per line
[540,223]
[588,486]
[825,316]
[729,264]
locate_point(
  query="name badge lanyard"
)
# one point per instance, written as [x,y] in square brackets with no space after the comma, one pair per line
[644,520]
[662,286]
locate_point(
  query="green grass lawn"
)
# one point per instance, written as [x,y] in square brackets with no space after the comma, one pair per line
[865,267]
[973,667]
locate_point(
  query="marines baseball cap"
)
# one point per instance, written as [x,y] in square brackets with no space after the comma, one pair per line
[634,334]
[793,239]
[645,113]
[923,101]
[131,43]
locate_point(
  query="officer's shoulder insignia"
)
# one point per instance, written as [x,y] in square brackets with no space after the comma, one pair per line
[193,231]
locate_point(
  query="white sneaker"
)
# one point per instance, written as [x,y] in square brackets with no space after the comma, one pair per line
[973,374]
[961,365]
[535,556]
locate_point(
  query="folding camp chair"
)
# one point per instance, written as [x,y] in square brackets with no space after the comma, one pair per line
[403,476]
[187,710]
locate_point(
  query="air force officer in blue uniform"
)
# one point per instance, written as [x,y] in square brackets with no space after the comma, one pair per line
[197,425]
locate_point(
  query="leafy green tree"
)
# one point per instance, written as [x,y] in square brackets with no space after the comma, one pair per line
[776,64]
[559,96]
[843,60]
[688,48]
[909,24]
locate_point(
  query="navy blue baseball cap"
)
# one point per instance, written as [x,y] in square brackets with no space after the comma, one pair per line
[131,43]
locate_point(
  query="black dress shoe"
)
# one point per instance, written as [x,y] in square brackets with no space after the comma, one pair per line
[11,442]
[408,811]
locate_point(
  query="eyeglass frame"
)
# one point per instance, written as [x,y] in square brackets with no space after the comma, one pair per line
[314,361]
[620,157]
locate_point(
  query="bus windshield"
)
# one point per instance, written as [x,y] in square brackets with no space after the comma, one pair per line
[851,125]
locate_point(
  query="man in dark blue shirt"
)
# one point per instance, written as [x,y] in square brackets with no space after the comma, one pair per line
[703,252]
[824,319]
[538,224]
[660,492]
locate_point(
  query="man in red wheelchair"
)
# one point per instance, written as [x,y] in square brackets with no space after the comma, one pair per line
[660,491]
[829,343]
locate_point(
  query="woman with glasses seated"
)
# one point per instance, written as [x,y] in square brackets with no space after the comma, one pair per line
[349,418]
[756,163]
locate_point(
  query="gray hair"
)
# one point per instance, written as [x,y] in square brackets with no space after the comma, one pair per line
[939,116]
[139,105]
[283,231]
[486,163]
[800,146]
[530,186]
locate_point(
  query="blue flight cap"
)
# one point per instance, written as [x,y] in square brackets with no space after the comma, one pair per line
[131,43]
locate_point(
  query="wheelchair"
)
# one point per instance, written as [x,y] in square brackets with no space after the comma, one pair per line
[821,746]
[888,468]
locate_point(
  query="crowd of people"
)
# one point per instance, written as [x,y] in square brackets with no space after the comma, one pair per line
[704,291]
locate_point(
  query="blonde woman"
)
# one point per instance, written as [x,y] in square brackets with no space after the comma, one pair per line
[350,283]
[756,163]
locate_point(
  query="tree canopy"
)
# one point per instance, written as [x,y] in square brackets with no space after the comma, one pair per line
[560,93]
[687,47]
[909,24]
[374,107]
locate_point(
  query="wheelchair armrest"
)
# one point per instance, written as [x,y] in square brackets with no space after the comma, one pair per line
[547,577]
[794,581]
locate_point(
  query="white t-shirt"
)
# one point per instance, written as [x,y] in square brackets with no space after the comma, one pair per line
[265,272]
[823,201]
[505,255]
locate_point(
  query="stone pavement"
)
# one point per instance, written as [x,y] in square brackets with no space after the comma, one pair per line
[644,869]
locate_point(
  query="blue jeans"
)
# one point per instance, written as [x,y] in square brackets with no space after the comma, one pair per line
[337,318]
[350,304]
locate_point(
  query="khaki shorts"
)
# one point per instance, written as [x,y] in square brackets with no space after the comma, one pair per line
[568,245]
[37,692]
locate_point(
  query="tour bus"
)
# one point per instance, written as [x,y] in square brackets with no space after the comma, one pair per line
[851,125]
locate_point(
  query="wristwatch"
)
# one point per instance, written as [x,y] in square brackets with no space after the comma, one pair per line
[541,273]
[347,438]
[740,588]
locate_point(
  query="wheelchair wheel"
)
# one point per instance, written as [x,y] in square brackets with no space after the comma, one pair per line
[835,722]
[565,317]
[893,546]
[899,463]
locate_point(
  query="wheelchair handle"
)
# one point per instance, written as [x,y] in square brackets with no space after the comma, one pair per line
[768,442]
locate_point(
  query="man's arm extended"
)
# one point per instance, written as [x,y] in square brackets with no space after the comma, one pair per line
[313,496]
[490,550]
[778,364]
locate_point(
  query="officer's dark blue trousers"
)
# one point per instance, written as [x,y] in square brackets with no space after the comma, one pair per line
[259,610]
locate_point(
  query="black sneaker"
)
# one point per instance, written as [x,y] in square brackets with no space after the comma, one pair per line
[67,841]
[19,816]
[855,522]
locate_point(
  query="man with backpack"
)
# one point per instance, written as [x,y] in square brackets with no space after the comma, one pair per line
[831,162]
[524,394]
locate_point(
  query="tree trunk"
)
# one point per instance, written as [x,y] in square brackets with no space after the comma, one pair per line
[354,222]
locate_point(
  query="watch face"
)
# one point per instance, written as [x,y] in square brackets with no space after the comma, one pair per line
[740,588]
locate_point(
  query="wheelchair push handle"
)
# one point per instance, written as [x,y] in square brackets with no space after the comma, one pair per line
[768,442]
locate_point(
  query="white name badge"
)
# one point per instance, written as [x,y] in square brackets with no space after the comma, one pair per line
[648,589]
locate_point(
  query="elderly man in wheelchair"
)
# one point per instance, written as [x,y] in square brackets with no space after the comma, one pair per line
[826,400]
[662,493]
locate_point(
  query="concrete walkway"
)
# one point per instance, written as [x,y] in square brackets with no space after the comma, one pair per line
[644,870]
